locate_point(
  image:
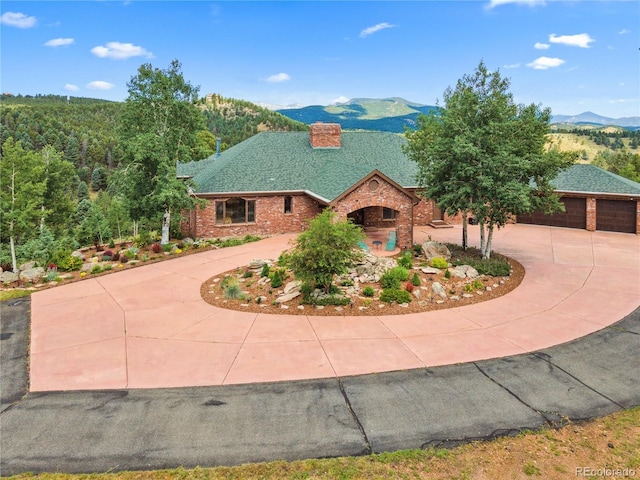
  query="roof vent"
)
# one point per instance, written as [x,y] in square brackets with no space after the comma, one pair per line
[325,135]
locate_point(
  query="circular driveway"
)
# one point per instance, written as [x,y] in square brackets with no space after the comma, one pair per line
[148,327]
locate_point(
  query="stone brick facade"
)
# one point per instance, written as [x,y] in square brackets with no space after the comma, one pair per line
[376,191]
[591,214]
[270,217]
[325,135]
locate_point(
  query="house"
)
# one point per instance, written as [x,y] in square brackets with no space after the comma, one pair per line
[274,182]
[594,199]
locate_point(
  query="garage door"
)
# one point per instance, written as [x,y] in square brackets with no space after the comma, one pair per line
[575,215]
[616,216]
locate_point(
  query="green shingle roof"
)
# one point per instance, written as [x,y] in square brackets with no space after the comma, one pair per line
[285,161]
[592,179]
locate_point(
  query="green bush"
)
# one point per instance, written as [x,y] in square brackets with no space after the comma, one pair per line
[247,274]
[347,283]
[276,279]
[415,280]
[438,262]
[406,260]
[233,291]
[66,262]
[96,269]
[393,277]
[368,291]
[447,273]
[265,271]
[337,300]
[395,295]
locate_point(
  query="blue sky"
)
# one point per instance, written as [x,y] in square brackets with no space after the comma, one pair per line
[572,56]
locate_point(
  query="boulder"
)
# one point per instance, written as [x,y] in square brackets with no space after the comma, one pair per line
[439,290]
[434,249]
[188,241]
[8,277]
[33,275]
[78,254]
[288,297]
[464,271]
[431,270]
[27,265]
[292,287]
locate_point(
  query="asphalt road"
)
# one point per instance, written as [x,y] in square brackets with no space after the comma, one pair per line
[98,431]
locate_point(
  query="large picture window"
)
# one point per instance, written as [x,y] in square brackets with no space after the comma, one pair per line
[235,210]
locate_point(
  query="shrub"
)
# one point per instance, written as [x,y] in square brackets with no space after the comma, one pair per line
[96,269]
[406,260]
[415,280]
[107,253]
[107,267]
[166,247]
[337,300]
[142,240]
[393,277]
[116,257]
[233,291]
[395,295]
[276,279]
[112,244]
[52,275]
[409,287]
[368,291]
[66,262]
[106,258]
[438,262]
[265,271]
[156,248]
[347,283]
[228,280]
[447,273]
[247,274]
[124,259]
[417,249]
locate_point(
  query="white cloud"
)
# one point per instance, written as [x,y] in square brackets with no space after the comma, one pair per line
[376,28]
[513,65]
[120,51]
[18,19]
[340,99]
[543,63]
[622,100]
[530,3]
[59,42]
[624,31]
[581,40]
[69,87]
[100,85]
[541,46]
[277,78]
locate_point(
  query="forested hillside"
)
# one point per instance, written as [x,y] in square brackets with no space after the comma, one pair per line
[64,172]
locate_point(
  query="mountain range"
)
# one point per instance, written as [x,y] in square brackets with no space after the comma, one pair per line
[394,114]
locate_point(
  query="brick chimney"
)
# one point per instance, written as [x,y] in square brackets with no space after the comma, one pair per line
[325,135]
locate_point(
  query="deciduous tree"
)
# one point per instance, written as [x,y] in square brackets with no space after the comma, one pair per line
[484,154]
[159,126]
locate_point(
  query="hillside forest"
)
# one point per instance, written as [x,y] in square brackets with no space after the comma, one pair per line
[72,154]
[69,152]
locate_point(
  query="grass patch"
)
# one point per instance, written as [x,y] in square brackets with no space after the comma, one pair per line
[14,293]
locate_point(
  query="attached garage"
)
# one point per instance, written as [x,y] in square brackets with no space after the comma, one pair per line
[616,215]
[594,199]
[574,216]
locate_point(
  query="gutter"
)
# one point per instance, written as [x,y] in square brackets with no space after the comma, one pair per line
[264,192]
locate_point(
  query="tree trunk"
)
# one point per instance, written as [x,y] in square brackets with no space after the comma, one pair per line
[14,263]
[135,228]
[166,217]
[464,230]
[482,245]
[487,253]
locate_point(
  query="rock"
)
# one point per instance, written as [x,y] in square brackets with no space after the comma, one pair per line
[467,295]
[188,241]
[454,297]
[8,277]
[434,249]
[257,264]
[488,289]
[339,309]
[264,280]
[464,271]
[417,293]
[292,286]
[284,307]
[33,275]
[300,307]
[404,305]
[27,266]
[439,290]
[288,297]
[430,270]
[78,254]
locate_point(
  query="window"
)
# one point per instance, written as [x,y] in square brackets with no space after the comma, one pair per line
[388,213]
[287,204]
[235,210]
